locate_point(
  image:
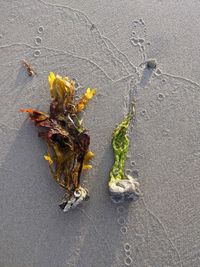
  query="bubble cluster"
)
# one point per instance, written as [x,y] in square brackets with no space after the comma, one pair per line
[38,41]
[127,250]
[138,35]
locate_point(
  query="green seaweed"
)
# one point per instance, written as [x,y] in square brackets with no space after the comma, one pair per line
[120,144]
[122,186]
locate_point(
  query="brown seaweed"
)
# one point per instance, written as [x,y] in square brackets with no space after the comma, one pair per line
[67,140]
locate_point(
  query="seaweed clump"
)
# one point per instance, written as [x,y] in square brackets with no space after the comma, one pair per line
[122,187]
[67,141]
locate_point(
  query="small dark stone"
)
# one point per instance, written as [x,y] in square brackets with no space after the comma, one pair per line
[151,64]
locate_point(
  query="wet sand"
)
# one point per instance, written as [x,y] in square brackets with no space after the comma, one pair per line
[104,46]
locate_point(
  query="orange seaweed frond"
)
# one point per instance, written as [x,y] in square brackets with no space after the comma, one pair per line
[29,110]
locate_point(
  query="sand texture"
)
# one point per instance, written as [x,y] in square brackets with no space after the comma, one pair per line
[103,44]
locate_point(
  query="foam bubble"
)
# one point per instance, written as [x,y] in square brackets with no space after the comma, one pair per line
[133,163]
[127,247]
[40,29]
[161,97]
[38,40]
[37,53]
[121,220]
[123,230]
[128,261]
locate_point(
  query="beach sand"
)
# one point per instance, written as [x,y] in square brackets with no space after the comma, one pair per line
[104,45]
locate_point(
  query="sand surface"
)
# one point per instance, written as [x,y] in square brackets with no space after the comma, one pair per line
[103,44]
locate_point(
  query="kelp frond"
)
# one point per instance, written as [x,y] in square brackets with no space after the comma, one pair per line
[67,141]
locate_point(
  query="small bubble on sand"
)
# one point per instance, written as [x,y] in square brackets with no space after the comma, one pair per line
[38,40]
[161,97]
[133,163]
[123,229]
[127,247]
[121,220]
[128,261]
[40,29]
[37,53]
